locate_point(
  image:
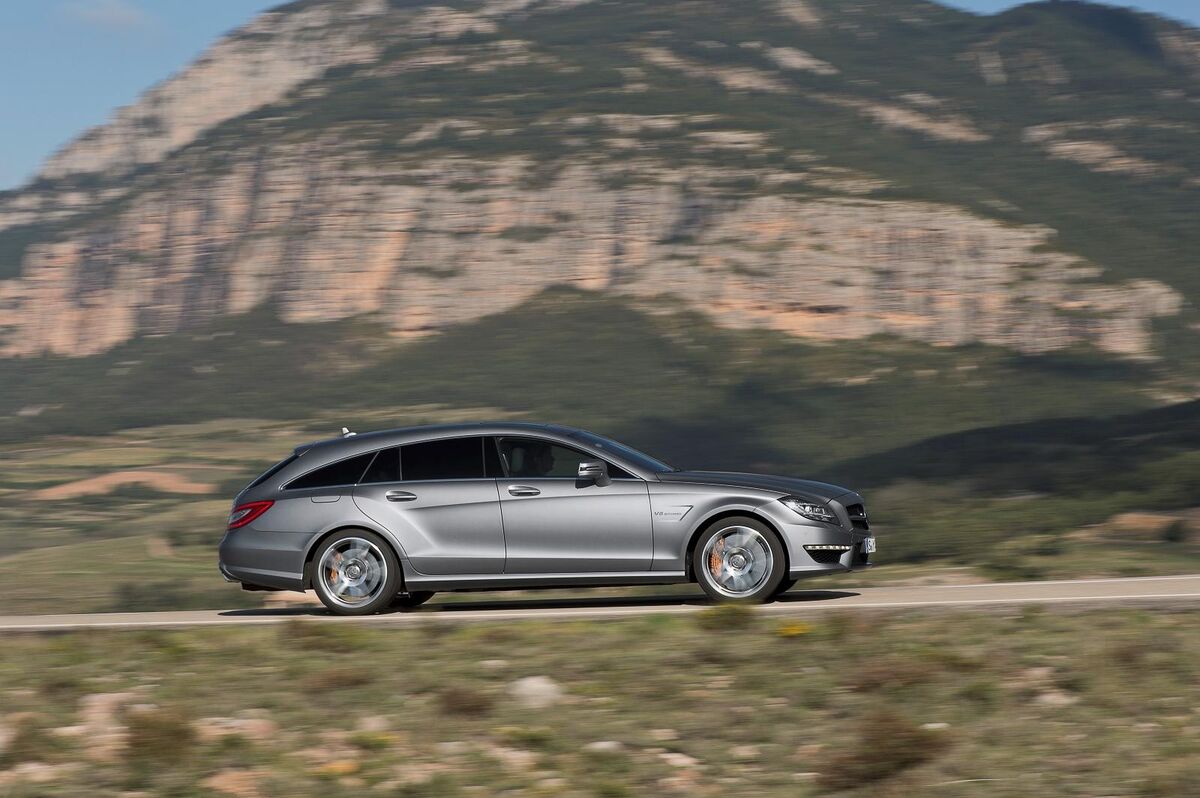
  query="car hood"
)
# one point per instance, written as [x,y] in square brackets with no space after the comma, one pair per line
[803,488]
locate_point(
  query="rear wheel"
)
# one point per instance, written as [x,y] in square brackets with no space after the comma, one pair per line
[739,560]
[409,600]
[355,572]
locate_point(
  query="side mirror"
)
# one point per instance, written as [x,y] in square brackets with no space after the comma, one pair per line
[594,471]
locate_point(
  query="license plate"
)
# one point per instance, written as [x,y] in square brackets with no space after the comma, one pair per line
[869,546]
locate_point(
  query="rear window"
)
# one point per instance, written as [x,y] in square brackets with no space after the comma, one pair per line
[454,458]
[272,471]
[343,472]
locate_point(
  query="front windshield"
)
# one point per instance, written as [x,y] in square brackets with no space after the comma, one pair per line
[633,456]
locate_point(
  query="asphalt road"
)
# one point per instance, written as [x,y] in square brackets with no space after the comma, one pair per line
[1142,591]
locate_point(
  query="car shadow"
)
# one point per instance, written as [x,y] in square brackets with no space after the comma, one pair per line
[558,603]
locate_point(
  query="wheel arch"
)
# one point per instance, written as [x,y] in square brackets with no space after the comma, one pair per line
[717,517]
[315,544]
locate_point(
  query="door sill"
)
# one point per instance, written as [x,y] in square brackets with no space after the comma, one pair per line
[499,581]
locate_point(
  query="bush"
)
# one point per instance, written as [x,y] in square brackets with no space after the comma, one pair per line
[1176,532]
[725,617]
[158,735]
[29,743]
[336,678]
[320,636]
[888,744]
[464,701]
[890,673]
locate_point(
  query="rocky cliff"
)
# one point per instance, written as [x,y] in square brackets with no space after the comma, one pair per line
[243,180]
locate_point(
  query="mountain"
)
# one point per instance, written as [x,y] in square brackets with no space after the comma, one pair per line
[829,171]
[348,185]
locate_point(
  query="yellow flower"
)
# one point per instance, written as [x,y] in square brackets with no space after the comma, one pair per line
[340,767]
[794,629]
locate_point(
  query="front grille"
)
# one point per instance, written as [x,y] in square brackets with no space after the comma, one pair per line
[858,516]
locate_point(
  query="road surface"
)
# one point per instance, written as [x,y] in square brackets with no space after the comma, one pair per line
[1141,591]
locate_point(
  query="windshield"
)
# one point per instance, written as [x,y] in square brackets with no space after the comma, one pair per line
[624,452]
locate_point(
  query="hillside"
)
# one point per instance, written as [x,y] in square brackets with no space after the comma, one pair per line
[828,171]
[857,240]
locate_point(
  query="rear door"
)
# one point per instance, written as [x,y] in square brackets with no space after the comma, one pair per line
[554,524]
[441,503]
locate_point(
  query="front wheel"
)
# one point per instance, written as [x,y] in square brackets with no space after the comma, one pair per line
[355,572]
[739,560]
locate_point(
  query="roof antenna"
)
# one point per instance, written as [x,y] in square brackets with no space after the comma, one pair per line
[346,433]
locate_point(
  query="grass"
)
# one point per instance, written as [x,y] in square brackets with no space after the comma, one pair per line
[999,700]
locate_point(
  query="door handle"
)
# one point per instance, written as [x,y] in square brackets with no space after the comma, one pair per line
[399,496]
[523,490]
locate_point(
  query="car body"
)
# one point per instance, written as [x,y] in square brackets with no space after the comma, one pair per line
[521,505]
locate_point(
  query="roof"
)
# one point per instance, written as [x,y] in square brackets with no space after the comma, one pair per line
[407,434]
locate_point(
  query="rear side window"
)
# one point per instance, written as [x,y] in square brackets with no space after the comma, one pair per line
[343,472]
[454,458]
[272,471]
[384,468]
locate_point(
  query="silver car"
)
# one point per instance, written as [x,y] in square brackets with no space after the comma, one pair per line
[389,518]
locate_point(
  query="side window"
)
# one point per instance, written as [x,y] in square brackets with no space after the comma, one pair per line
[529,458]
[492,468]
[616,472]
[272,471]
[384,468]
[343,472]
[453,458]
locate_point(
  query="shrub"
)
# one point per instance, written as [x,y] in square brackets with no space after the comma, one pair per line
[29,743]
[464,701]
[982,693]
[336,678]
[888,744]
[1176,532]
[725,617]
[317,635]
[890,672]
[158,735]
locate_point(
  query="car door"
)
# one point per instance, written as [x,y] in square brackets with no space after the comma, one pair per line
[440,502]
[556,524]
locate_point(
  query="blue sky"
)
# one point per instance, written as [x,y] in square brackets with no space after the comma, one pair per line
[68,63]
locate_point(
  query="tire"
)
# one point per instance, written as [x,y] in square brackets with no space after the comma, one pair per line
[785,586]
[355,572]
[416,598]
[749,557]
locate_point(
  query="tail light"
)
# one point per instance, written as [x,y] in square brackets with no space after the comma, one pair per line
[245,513]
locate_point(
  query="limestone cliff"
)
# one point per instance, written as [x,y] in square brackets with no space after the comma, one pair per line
[430,200]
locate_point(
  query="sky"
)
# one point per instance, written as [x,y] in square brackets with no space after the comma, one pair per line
[67,64]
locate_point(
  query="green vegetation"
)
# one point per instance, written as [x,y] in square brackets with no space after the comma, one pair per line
[971,456]
[853,705]
[909,425]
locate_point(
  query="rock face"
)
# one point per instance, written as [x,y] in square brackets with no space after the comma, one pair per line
[324,240]
[171,216]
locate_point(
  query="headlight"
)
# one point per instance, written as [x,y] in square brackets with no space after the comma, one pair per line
[813,512]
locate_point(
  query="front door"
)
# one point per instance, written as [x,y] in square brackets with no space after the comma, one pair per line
[441,504]
[555,524]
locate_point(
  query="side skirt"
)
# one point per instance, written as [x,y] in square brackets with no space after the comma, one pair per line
[543,581]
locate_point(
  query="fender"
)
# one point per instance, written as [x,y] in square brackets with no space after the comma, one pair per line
[363,523]
[715,515]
